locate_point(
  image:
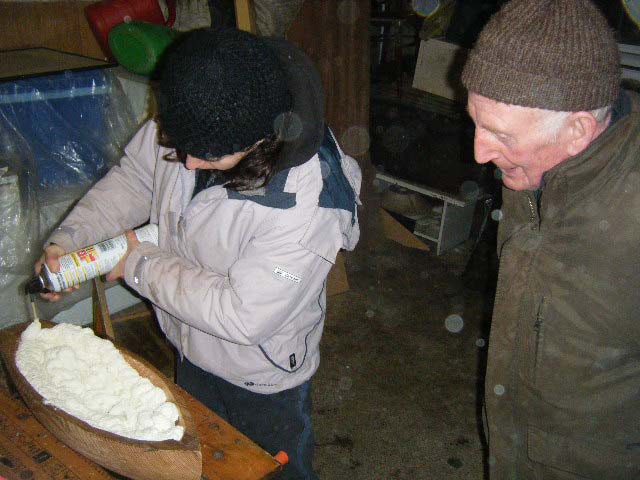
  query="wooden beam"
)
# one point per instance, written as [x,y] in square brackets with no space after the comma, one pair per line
[57,25]
[245,16]
[335,35]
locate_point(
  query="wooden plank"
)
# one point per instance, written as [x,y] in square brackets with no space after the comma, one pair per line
[245,15]
[28,450]
[42,61]
[102,325]
[335,35]
[57,25]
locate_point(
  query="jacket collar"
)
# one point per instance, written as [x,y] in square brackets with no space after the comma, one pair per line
[593,164]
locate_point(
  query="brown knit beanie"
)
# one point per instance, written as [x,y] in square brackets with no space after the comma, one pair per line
[551,54]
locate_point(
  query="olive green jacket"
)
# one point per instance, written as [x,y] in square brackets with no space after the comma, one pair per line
[562,390]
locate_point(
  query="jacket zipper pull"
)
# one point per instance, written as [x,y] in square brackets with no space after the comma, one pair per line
[534,217]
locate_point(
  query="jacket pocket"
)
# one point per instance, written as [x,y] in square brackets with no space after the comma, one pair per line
[289,354]
[582,456]
[538,339]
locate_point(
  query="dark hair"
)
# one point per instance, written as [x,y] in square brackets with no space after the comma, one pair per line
[254,170]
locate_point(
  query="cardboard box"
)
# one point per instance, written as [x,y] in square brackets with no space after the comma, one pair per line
[439,69]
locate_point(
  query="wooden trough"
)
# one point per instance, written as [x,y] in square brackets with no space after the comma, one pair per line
[136,459]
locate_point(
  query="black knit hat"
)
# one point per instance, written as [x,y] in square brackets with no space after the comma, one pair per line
[551,54]
[220,91]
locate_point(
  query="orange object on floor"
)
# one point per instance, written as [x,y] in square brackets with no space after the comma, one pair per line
[282,457]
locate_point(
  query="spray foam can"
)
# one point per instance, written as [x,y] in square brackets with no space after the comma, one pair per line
[87,263]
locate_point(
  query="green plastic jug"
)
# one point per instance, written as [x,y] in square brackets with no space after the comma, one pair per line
[138,46]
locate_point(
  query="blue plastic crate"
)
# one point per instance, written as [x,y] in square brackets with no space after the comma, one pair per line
[62,121]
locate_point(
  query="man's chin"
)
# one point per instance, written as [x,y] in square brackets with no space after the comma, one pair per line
[517,185]
[512,184]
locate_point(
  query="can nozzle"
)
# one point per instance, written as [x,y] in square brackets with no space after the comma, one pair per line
[32,298]
[35,285]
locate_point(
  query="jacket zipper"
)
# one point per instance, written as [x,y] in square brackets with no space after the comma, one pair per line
[537,327]
[533,211]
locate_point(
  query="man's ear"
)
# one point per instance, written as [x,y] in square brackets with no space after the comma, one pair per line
[582,128]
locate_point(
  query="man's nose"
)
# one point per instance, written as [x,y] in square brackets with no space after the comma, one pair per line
[483,150]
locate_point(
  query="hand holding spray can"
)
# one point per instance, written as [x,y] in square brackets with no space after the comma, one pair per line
[89,262]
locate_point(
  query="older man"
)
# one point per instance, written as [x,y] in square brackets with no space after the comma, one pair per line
[563,375]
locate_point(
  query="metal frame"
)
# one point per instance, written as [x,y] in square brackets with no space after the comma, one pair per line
[456,218]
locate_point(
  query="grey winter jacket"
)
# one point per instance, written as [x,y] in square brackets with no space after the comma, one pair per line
[238,278]
[563,376]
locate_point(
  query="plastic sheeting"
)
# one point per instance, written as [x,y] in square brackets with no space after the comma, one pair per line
[58,135]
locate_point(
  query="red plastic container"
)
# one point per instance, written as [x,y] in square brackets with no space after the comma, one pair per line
[106,14]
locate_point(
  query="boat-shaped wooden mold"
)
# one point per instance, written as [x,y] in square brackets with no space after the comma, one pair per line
[136,459]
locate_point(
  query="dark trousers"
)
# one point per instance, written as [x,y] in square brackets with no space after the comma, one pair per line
[280,421]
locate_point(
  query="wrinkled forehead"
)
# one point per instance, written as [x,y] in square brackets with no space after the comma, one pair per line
[485,110]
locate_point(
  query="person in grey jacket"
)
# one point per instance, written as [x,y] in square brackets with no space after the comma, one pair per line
[562,388]
[253,199]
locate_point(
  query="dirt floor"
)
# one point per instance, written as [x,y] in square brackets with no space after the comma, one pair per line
[397,393]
